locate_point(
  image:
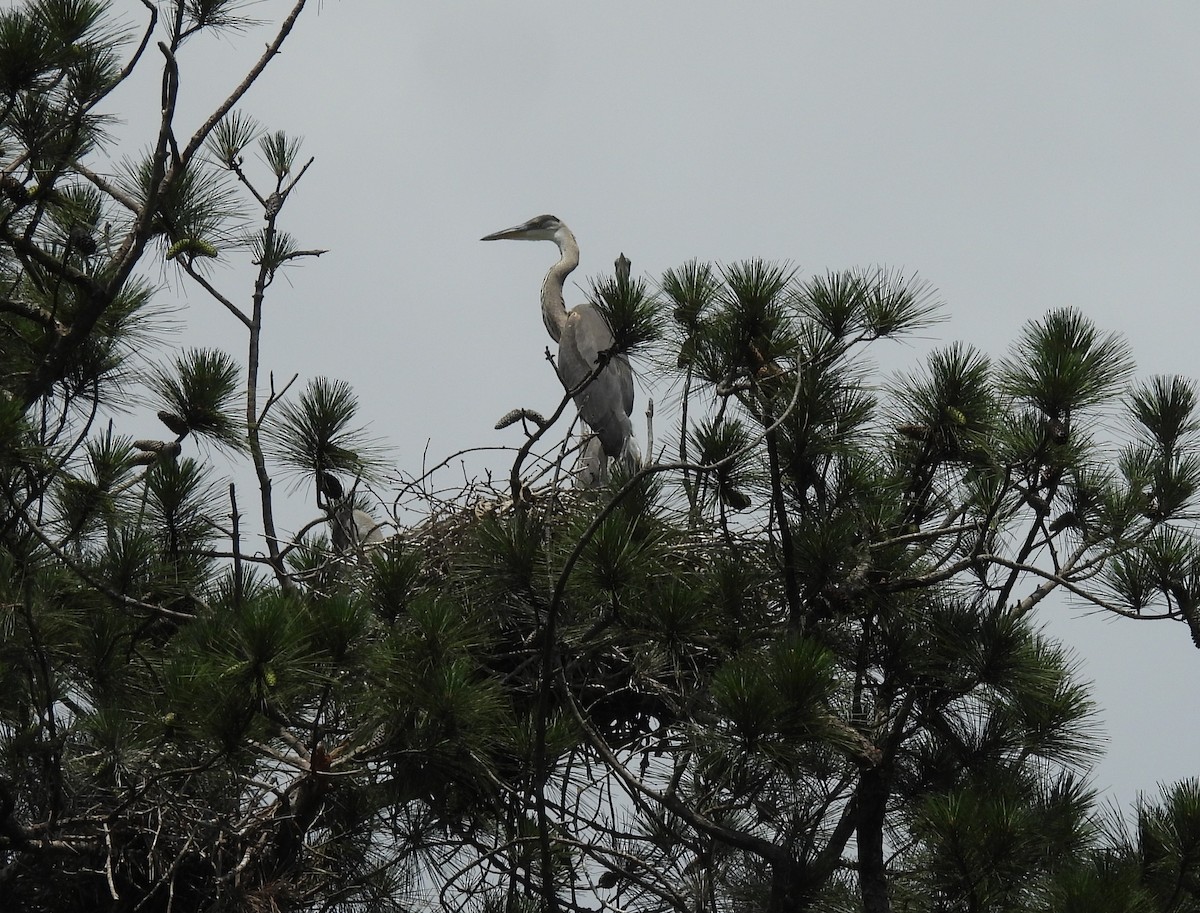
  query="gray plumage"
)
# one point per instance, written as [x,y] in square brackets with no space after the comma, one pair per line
[351,528]
[582,334]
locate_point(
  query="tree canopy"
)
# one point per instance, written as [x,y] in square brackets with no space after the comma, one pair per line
[789,663]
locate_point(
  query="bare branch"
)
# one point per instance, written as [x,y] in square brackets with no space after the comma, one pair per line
[32,312]
[212,290]
[243,87]
[109,188]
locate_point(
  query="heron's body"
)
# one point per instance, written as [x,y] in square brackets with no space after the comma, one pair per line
[605,402]
[354,528]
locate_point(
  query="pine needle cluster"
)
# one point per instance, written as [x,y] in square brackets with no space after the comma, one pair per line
[794,666]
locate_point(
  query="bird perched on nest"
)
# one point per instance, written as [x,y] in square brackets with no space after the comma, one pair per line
[349,527]
[605,401]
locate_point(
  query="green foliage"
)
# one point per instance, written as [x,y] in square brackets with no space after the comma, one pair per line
[776,700]
[621,552]
[198,207]
[213,15]
[279,151]
[316,432]
[724,444]
[797,668]
[996,849]
[85,502]
[1063,364]
[234,133]
[630,310]
[870,304]
[1168,846]
[395,577]
[692,288]
[272,249]
[953,404]
[508,557]
[1165,408]
[1106,885]
[25,49]
[201,387]
[752,330]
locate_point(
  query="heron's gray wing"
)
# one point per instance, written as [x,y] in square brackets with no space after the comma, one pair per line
[624,372]
[605,404]
[352,526]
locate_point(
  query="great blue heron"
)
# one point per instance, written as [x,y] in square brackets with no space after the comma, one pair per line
[582,334]
[349,526]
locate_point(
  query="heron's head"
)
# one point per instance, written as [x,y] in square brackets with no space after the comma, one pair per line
[539,228]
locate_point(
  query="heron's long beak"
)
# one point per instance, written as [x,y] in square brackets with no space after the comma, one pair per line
[516,233]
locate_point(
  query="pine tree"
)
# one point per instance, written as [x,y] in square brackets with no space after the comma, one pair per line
[795,666]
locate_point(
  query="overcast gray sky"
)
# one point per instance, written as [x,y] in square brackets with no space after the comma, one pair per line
[1020,156]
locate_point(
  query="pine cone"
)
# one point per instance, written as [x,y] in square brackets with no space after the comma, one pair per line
[1063,521]
[83,240]
[329,486]
[914,432]
[515,415]
[174,422]
[14,190]
[734,499]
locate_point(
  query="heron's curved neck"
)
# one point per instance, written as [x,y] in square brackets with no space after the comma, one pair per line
[554,309]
